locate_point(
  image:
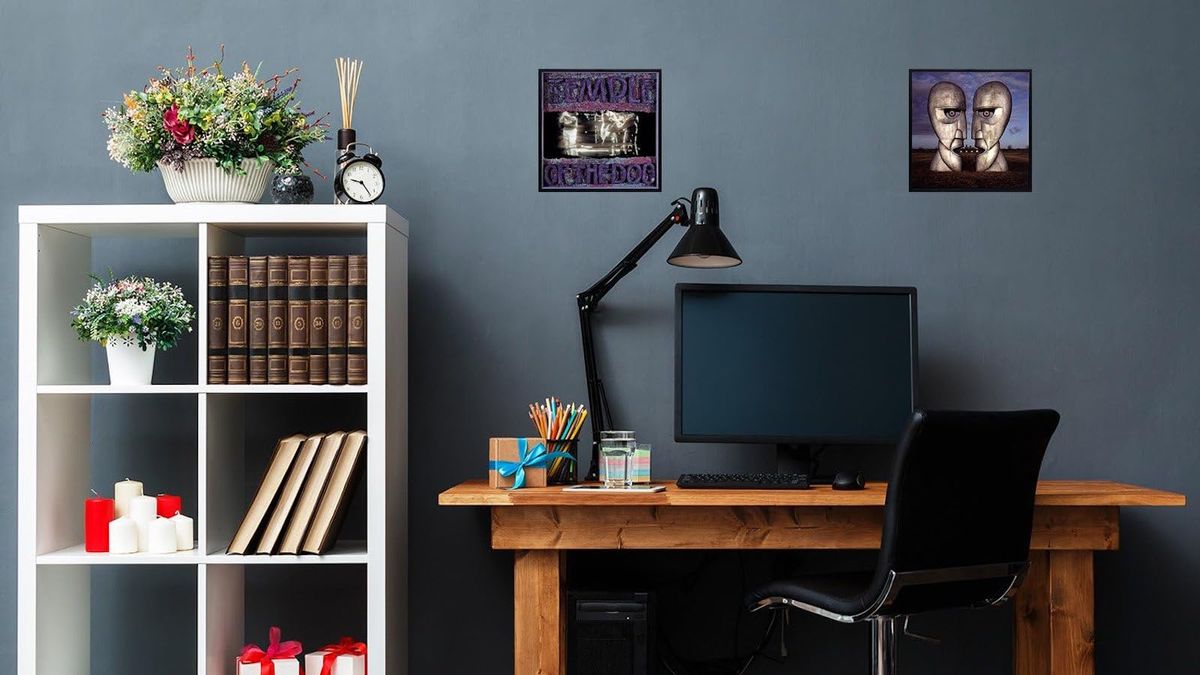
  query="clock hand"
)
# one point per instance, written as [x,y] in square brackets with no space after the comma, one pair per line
[359,182]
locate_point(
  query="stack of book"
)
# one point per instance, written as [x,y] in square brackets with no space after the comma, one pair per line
[302,499]
[293,319]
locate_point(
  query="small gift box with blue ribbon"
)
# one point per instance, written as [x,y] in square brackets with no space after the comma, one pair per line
[519,462]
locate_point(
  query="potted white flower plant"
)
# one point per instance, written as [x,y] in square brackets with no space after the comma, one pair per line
[132,317]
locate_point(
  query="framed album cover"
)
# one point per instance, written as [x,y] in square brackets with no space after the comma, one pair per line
[599,130]
[970,130]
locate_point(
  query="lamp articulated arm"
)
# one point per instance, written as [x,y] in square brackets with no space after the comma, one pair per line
[588,301]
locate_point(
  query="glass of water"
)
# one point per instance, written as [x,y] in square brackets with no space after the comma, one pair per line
[616,453]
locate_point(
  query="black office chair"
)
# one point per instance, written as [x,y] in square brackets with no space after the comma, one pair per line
[956,529]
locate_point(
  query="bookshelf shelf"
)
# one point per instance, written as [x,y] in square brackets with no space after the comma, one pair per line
[75,555]
[57,398]
[286,388]
[152,389]
[178,217]
[102,389]
[346,553]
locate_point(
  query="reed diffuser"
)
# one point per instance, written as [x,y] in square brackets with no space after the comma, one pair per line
[348,70]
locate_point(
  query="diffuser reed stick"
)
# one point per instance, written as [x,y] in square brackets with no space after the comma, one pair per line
[348,71]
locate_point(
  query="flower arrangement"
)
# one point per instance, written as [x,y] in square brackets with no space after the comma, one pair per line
[134,310]
[187,113]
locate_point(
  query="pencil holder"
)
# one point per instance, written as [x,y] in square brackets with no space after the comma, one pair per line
[563,471]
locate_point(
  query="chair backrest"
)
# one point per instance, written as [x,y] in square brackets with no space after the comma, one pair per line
[961,498]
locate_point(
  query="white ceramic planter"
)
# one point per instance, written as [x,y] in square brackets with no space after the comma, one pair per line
[128,364]
[203,180]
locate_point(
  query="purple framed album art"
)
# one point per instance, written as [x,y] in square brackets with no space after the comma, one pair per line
[598,130]
[970,130]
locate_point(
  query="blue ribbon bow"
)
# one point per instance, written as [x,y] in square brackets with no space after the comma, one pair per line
[528,458]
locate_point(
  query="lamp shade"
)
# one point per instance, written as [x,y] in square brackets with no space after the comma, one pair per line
[703,244]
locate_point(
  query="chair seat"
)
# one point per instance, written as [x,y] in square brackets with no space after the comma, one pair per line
[848,593]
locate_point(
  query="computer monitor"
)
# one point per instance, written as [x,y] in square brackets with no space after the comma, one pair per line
[794,365]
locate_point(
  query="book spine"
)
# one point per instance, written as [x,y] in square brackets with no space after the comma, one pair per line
[258,320]
[297,305]
[237,368]
[356,319]
[318,316]
[218,314]
[277,319]
[337,319]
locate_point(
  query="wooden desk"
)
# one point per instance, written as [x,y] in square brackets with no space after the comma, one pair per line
[1053,612]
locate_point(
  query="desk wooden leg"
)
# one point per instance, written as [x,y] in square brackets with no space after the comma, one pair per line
[539,621]
[1072,613]
[1031,619]
[1054,629]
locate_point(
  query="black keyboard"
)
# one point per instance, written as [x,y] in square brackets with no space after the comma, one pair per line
[748,481]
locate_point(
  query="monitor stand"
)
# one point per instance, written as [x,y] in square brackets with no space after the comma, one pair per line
[801,458]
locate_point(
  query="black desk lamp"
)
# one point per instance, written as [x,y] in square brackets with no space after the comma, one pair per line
[703,245]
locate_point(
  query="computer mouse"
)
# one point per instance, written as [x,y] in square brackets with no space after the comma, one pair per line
[844,480]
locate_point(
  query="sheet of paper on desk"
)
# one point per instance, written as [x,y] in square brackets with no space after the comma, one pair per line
[602,489]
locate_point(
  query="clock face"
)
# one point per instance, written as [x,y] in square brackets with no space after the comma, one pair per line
[362,181]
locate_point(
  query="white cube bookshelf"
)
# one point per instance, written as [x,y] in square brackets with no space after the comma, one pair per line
[55,391]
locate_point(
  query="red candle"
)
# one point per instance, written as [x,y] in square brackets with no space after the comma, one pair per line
[97,513]
[169,505]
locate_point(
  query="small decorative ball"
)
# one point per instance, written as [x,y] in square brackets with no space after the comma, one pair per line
[296,189]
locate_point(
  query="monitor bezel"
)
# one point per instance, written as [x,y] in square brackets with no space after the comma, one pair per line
[682,288]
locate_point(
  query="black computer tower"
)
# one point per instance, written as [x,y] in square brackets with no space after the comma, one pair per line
[610,633]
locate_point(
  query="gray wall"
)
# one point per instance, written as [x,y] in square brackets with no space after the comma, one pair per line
[1081,295]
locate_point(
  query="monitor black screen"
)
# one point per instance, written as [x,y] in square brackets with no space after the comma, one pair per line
[794,364]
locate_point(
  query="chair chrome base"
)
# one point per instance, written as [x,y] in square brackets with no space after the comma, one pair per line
[883,626]
[883,645]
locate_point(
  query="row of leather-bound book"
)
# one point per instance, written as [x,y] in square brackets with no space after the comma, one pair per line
[287,319]
[303,496]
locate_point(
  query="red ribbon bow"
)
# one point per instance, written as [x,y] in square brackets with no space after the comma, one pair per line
[275,650]
[346,647]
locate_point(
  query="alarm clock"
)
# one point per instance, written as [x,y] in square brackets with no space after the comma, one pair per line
[359,180]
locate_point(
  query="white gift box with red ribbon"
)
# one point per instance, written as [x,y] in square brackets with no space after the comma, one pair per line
[279,658]
[343,664]
[289,666]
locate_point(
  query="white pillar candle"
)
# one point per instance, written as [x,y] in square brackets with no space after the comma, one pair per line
[122,536]
[143,510]
[184,535]
[162,536]
[123,492]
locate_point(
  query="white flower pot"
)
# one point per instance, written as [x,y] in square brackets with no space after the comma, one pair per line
[127,363]
[203,180]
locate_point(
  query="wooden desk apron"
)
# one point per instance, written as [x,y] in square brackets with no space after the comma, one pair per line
[1053,629]
[1070,515]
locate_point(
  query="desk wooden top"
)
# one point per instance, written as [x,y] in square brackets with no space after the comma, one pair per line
[1049,493]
